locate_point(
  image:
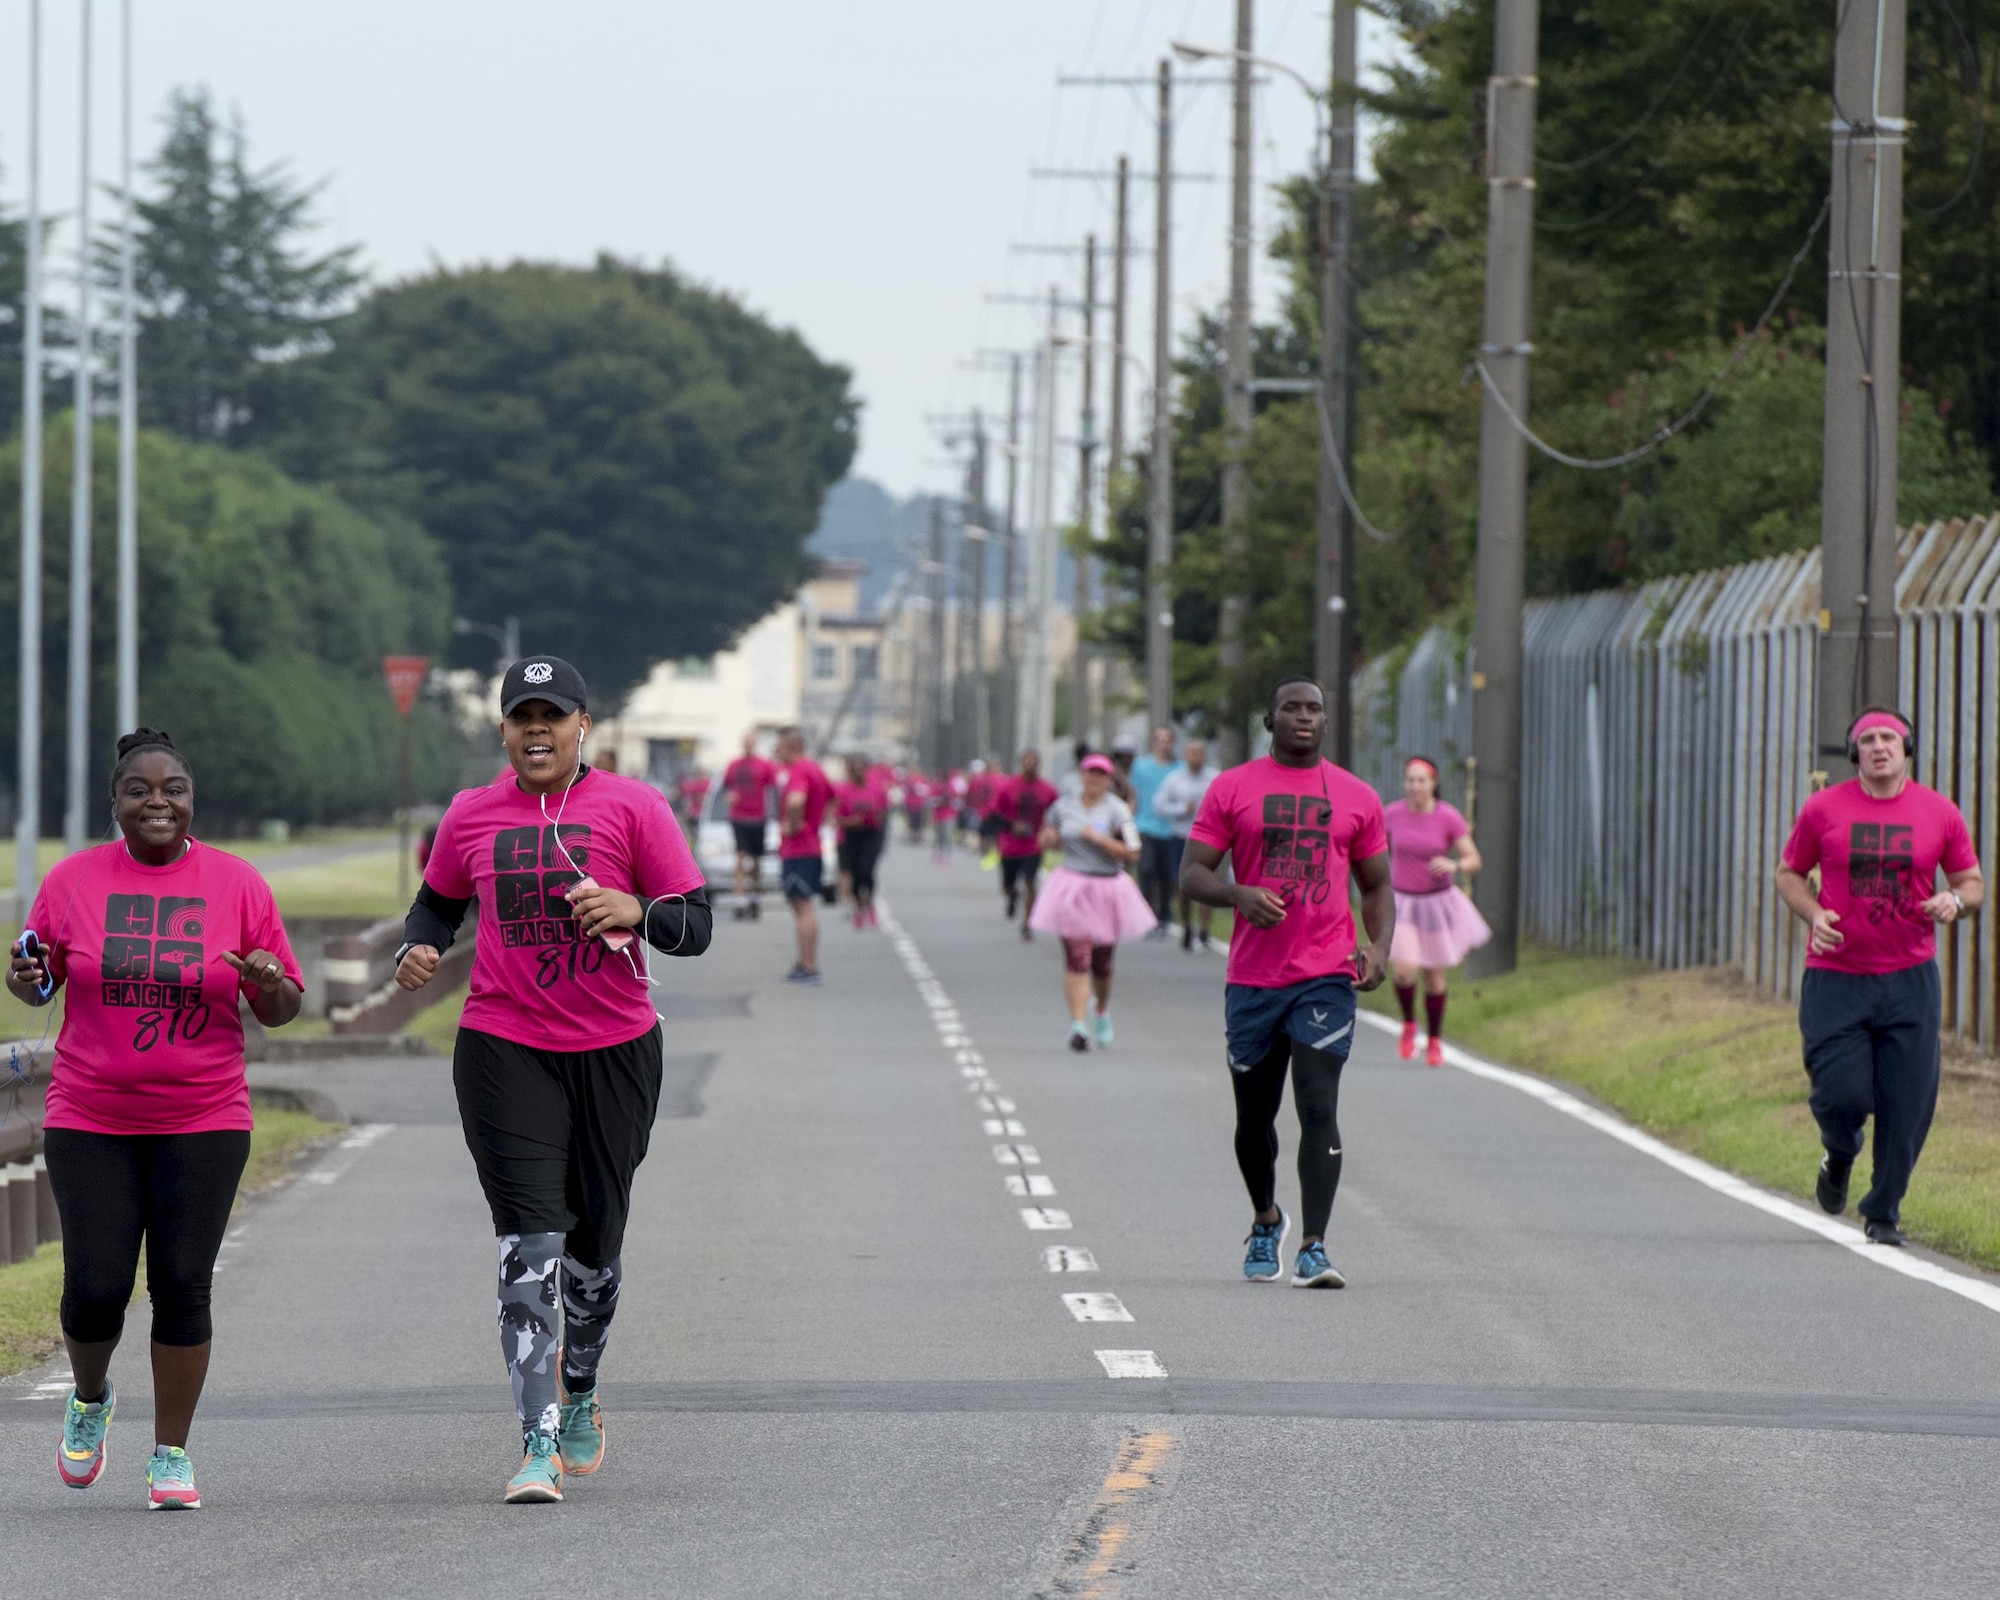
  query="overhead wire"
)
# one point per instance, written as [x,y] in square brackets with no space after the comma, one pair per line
[1687,418]
[1970,58]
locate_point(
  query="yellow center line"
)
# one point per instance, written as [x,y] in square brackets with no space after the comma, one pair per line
[1095,1561]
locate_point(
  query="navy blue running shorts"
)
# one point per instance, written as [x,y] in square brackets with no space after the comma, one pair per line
[1318,1014]
[801,877]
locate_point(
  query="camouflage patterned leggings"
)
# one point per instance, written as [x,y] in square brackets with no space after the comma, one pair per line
[534,1274]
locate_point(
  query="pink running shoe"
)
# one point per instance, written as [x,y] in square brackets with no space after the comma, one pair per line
[1434,1053]
[1408,1048]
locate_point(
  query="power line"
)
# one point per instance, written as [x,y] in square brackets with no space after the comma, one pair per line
[1686,419]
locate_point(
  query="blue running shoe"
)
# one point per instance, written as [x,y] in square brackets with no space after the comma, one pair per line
[580,1434]
[1267,1242]
[170,1480]
[540,1477]
[1314,1271]
[80,1459]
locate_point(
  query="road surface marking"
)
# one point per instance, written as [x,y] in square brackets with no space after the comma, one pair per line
[994,1128]
[1832,1229]
[1034,1183]
[1096,1308]
[1130,1364]
[1017,1155]
[1104,1552]
[1044,1217]
[1068,1258]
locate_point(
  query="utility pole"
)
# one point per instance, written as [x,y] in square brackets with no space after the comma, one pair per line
[1114,464]
[979,533]
[1160,499]
[1037,704]
[935,675]
[1503,476]
[79,491]
[1010,541]
[128,408]
[1081,722]
[1236,407]
[28,711]
[1333,635]
[1857,662]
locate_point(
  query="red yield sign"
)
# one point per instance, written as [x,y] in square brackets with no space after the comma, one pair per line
[405,675]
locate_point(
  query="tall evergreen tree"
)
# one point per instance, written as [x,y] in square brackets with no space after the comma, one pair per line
[224,280]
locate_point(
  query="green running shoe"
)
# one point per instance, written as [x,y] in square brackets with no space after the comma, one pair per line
[540,1477]
[170,1480]
[1104,1030]
[80,1459]
[580,1436]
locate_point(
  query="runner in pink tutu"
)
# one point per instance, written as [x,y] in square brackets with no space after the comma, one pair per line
[1090,904]
[1436,921]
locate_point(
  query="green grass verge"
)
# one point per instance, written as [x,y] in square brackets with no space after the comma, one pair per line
[30,1290]
[438,1024]
[1704,1063]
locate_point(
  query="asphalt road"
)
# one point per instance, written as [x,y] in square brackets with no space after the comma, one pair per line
[844,1367]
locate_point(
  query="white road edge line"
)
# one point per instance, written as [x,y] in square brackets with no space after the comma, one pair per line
[1847,1236]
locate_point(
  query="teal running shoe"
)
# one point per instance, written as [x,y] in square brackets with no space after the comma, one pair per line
[170,1480]
[1103,1030]
[540,1478]
[1314,1271]
[580,1435]
[80,1459]
[1266,1241]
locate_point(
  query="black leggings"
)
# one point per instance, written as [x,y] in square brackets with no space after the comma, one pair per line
[175,1190]
[1260,1091]
[859,852]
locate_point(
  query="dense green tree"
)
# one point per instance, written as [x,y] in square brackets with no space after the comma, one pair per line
[1683,158]
[223,279]
[265,608]
[627,462]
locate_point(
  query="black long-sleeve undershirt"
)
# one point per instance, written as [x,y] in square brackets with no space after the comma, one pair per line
[677,925]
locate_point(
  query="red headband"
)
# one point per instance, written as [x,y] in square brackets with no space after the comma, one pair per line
[1421,761]
[1880,719]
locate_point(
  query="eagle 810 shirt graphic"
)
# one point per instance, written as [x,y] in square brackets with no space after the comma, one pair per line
[1880,861]
[534,869]
[1296,827]
[152,963]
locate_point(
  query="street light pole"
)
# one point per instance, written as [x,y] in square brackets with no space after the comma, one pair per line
[1235,618]
[1160,499]
[28,751]
[128,408]
[1333,635]
[79,492]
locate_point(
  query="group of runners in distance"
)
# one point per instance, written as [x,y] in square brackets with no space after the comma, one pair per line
[581,877]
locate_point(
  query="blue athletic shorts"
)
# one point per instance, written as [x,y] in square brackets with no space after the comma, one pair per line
[801,877]
[1318,1014]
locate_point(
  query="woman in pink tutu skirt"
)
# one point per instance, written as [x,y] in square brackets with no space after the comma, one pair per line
[1436,921]
[1090,904]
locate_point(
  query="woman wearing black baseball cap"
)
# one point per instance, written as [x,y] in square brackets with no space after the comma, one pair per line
[557,1065]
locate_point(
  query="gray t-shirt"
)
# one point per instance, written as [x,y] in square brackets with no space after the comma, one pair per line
[1069,816]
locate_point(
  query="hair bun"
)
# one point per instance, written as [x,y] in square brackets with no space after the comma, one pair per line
[142,738]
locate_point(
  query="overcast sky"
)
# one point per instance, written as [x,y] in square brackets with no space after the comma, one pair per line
[855,169]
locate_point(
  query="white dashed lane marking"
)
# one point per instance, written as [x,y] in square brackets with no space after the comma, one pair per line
[1130,1364]
[998,1121]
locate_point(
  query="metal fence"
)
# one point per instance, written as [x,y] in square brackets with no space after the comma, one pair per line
[1668,745]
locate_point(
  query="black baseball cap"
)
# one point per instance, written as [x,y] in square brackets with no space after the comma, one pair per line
[547,678]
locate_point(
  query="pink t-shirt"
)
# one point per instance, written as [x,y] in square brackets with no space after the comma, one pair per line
[1878,861]
[859,805]
[533,980]
[1020,804]
[152,1040]
[1417,836]
[1293,830]
[746,778]
[804,777]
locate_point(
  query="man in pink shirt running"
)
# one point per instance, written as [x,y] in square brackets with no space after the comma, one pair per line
[801,809]
[1870,1002]
[1294,826]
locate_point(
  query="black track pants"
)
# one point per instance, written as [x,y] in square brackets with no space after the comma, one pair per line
[1260,1092]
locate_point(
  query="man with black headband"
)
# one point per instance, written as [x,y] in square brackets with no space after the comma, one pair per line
[1294,826]
[1870,1002]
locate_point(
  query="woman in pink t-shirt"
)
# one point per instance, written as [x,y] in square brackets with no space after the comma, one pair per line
[152,940]
[1436,921]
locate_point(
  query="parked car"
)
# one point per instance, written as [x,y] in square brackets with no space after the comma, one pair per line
[715,849]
